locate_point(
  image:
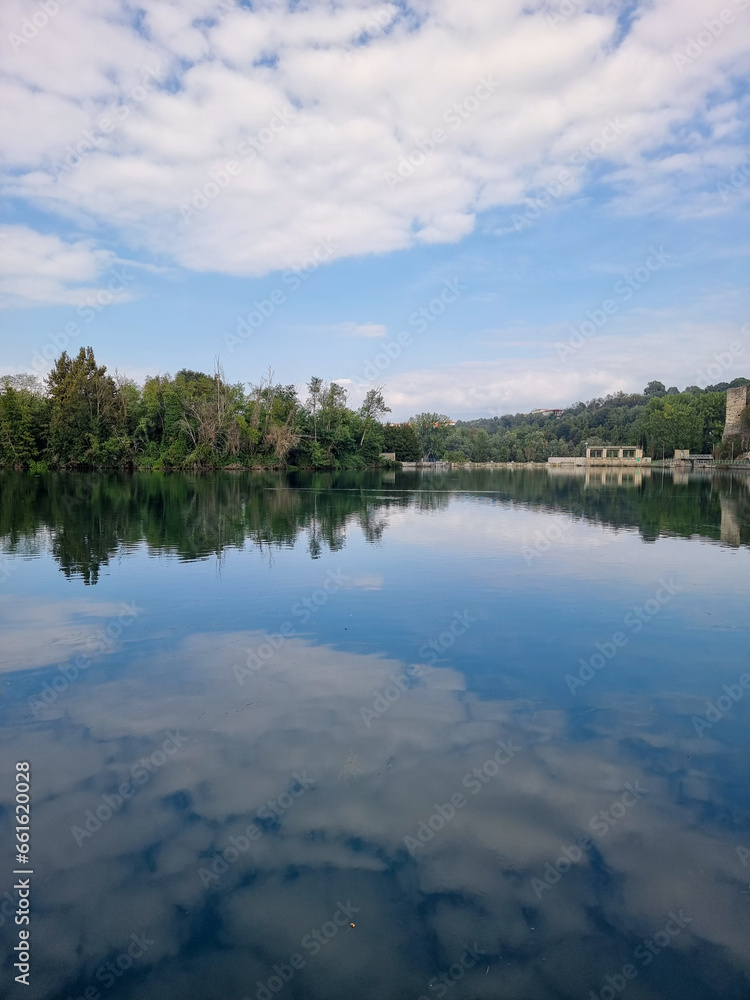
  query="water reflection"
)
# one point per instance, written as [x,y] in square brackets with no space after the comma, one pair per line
[485,876]
[227,779]
[89,518]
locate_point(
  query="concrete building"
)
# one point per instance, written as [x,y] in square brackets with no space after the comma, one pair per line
[604,455]
[612,454]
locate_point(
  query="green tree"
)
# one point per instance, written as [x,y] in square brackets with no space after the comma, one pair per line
[432,431]
[479,446]
[86,410]
[372,408]
[18,409]
[672,422]
[315,394]
[536,448]
[712,407]
[403,441]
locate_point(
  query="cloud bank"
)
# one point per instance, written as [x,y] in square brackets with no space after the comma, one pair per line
[233,140]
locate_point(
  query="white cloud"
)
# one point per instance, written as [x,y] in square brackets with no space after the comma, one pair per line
[330,118]
[44,269]
[40,635]
[366,330]
[615,360]
[488,388]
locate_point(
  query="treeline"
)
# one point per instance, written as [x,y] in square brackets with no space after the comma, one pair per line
[82,417]
[658,419]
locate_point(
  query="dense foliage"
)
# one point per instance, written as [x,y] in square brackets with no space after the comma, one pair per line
[82,417]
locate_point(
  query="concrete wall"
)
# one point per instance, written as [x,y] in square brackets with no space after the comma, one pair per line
[736,403]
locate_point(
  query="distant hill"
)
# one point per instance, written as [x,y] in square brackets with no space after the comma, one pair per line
[659,419]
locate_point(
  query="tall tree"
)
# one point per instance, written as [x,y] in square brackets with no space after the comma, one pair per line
[315,395]
[372,408]
[673,422]
[432,431]
[17,443]
[85,406]
[403,441]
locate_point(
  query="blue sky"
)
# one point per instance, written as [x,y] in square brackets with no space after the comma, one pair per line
[479,182]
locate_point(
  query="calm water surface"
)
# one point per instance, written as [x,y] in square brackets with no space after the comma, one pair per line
[378,735]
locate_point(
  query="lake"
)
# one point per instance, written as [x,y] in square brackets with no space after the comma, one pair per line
[383,735]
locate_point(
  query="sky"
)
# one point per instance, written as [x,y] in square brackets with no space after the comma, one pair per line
[488,207]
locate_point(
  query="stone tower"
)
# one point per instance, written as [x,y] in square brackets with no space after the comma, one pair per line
[736,403]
